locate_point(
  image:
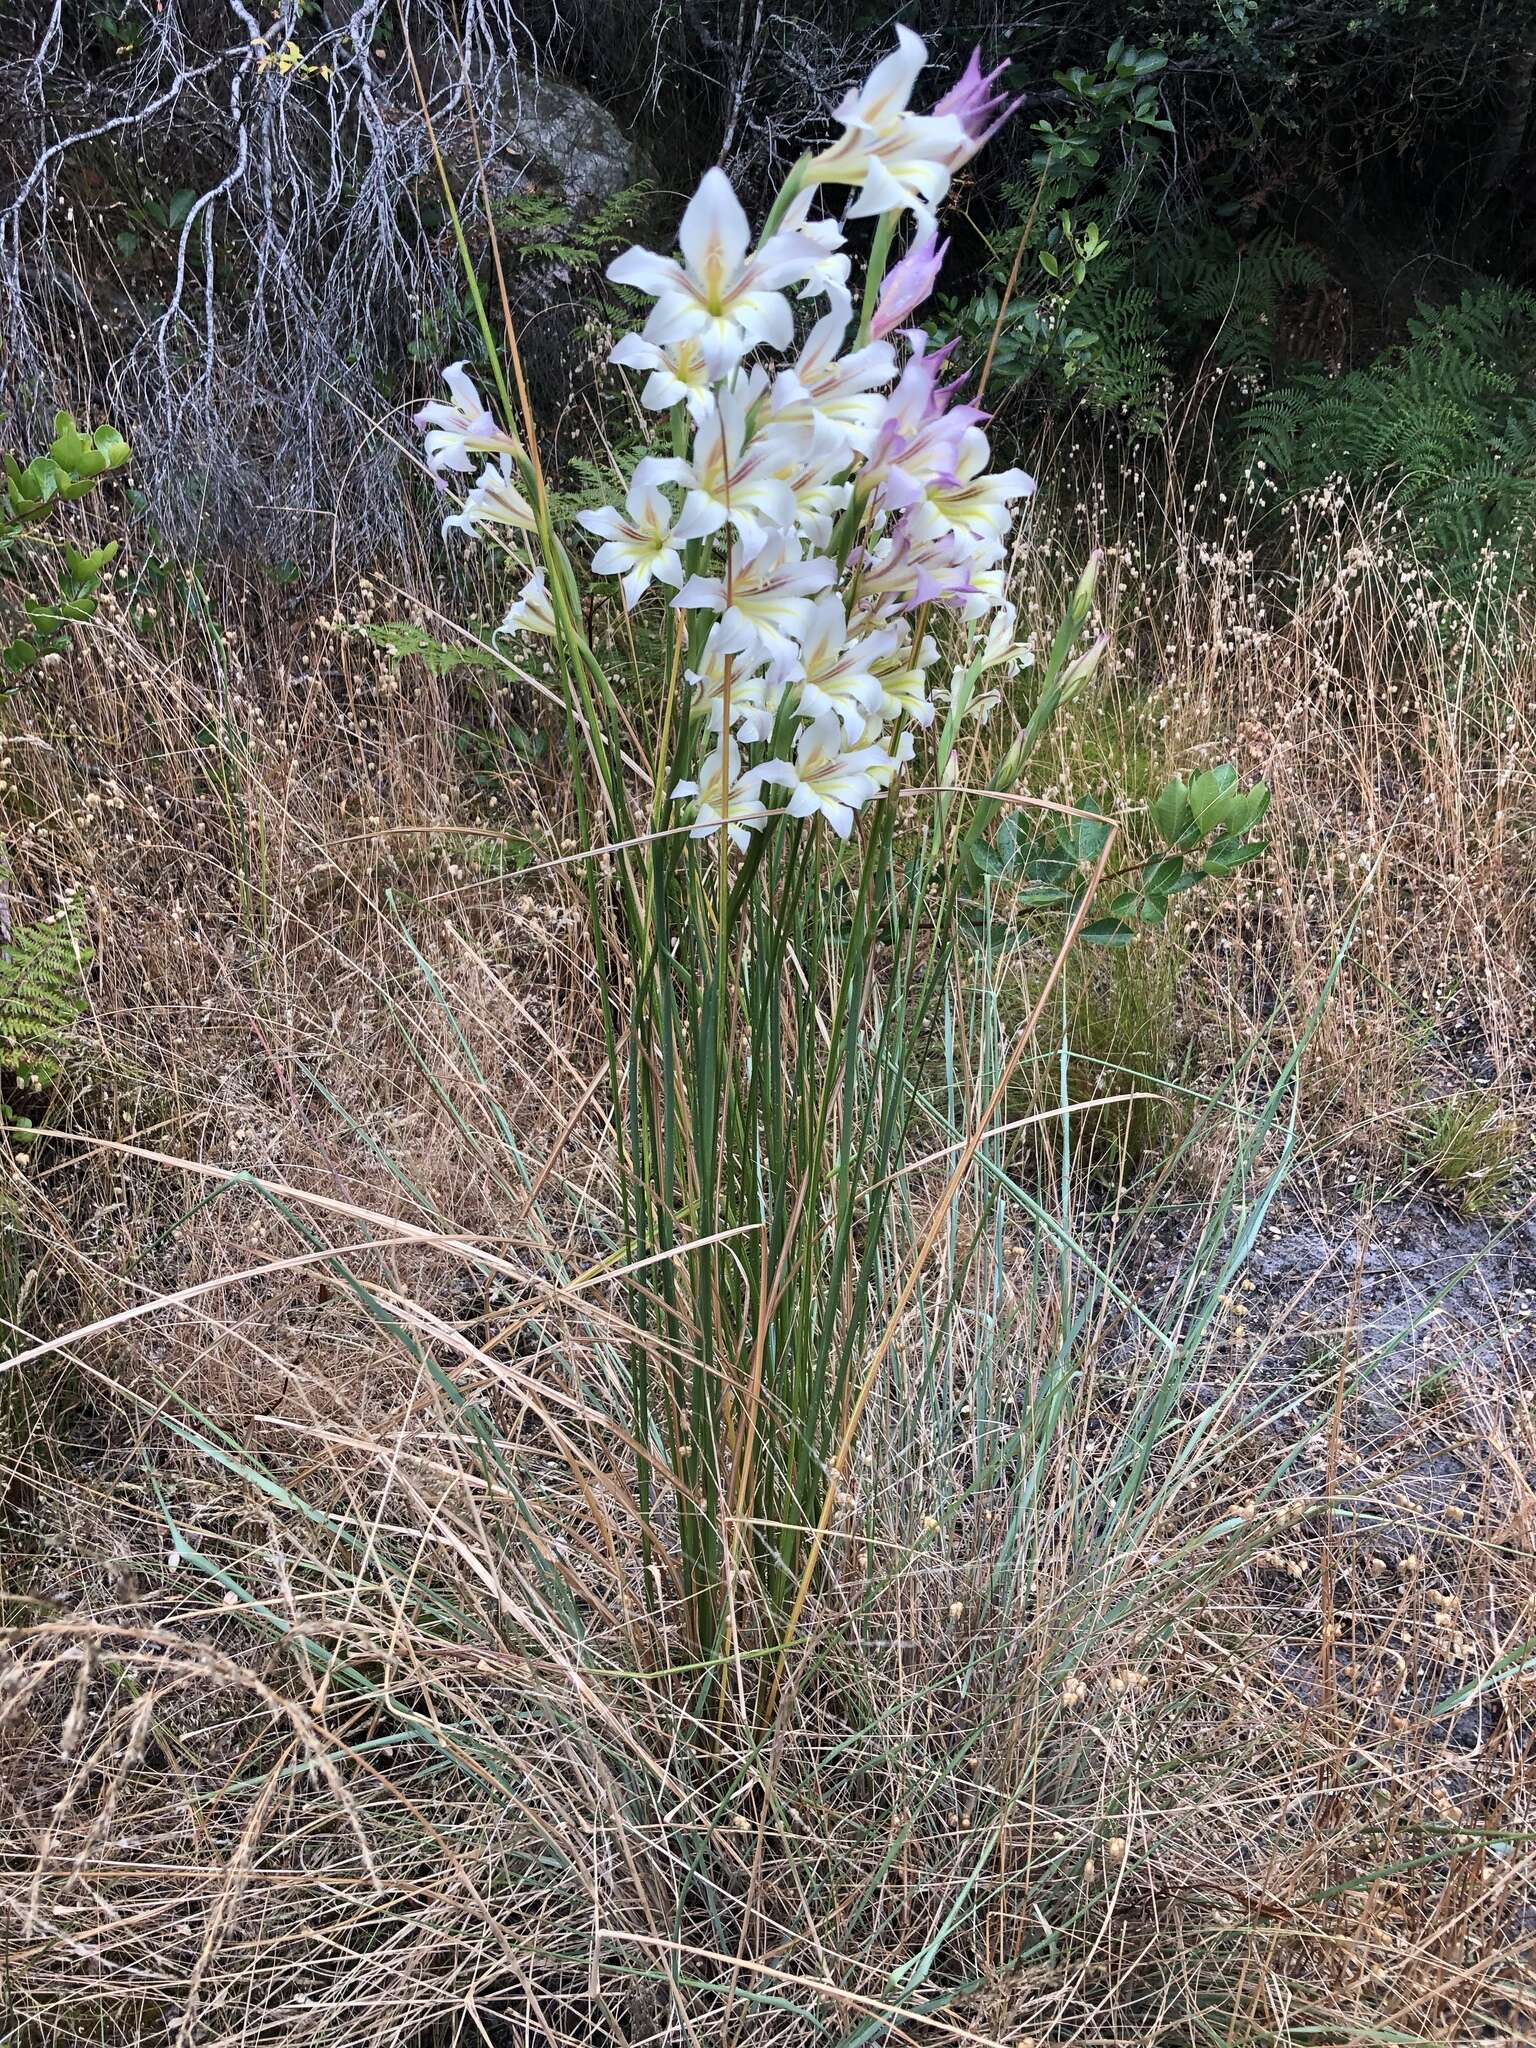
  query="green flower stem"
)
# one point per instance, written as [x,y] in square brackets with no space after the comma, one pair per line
[874,276]
[799,177]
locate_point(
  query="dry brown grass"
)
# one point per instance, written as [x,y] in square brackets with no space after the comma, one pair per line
[1398,734]
[340,1704]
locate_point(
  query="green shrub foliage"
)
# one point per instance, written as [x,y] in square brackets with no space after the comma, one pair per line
[48,584]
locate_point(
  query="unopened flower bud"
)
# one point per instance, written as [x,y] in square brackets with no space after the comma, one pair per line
[1011,767]
[1087,585]
[1079,672]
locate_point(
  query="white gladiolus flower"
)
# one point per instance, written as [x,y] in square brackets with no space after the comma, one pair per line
[895,157]
[836,670]
[988,587]
[464,428]
[1002,648]
[902,676]
[900,571]
[920,431]
[728,478]
[832,494]
[831,264]
[724,295]
[531,611]
[679,373]
[967,500]
[636,548]
[754,699]
[764,597]
[825,779]
[894,756]
[494,501]
[817,500]
[725,796]
[837,398]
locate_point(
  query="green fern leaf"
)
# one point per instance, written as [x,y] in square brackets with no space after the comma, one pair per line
[42,967]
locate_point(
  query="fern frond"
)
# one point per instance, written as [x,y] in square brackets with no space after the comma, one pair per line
[1442,422]
[1213,280]
[42,969]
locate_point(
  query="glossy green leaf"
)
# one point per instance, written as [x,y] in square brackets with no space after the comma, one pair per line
[1170,812]
[1209,794]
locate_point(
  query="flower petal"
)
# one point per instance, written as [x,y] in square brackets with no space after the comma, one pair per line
[606,520]
[888,87]
[644,271]
[713,234]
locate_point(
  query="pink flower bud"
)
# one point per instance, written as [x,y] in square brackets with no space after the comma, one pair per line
[908,284]
[978,106]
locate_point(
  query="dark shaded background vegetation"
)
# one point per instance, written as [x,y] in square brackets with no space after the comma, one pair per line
[226,227]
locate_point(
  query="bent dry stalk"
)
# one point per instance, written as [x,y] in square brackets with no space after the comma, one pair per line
[825,536]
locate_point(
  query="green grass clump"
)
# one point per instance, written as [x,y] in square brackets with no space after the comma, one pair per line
[1468,1147]
[1107,1060]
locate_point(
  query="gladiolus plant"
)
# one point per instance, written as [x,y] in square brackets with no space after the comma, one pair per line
[822,542]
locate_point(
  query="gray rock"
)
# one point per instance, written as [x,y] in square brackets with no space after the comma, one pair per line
[561,136]
[546,135]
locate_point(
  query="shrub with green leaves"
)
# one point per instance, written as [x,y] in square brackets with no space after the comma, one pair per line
[1059,305]
[30,553]
[1100,294]
[1107,289]
[1204,828]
